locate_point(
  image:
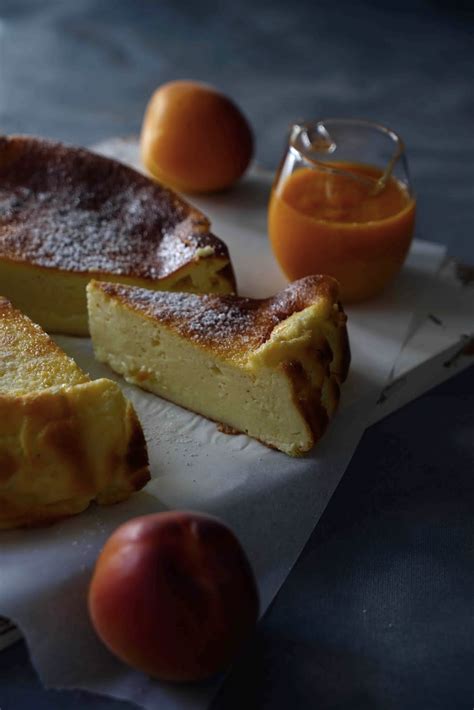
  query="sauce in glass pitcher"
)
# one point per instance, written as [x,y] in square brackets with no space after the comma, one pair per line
[353,221]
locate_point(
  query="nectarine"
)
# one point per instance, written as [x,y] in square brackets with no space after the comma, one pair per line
[194,138]
[173,595]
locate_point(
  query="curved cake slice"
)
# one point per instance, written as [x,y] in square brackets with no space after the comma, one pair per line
[64,440]
[269,368]
[67,215]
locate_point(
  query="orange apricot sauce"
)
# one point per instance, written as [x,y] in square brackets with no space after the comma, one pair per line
[330,223]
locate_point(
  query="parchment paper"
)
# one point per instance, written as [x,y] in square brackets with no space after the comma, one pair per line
[270,500]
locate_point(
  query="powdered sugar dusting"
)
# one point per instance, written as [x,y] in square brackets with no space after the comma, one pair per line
[229,324]
[69,209]
[223,321]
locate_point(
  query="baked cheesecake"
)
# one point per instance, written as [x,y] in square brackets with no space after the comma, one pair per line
[68,215]
[64,440]
[268,368]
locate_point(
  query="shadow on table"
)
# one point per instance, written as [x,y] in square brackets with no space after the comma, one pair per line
[377,612]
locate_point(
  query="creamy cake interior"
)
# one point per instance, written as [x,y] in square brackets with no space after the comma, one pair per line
[64,440]
[270,368]
[57,300]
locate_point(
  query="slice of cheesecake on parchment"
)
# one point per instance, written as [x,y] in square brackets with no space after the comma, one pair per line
[269,368]
[64,440]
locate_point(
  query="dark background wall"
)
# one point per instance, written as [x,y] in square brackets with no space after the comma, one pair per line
[81,70]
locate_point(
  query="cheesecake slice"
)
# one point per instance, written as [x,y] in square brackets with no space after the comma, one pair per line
[64,440]
[68,215]
[268,368]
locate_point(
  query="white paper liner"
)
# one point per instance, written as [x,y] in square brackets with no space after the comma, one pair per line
[271,501]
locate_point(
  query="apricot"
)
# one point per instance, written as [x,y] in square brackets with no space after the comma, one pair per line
[173,595]
[194,138]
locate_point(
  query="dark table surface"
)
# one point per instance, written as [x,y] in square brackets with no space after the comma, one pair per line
[378,612]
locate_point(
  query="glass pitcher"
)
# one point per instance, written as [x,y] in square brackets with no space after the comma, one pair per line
[342,204]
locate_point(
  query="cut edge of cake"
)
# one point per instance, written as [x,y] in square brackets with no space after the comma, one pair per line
[62,446]
[269,368]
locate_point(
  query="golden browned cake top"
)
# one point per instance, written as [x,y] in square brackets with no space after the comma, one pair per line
[67,208]
[29,360]
[231,324]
